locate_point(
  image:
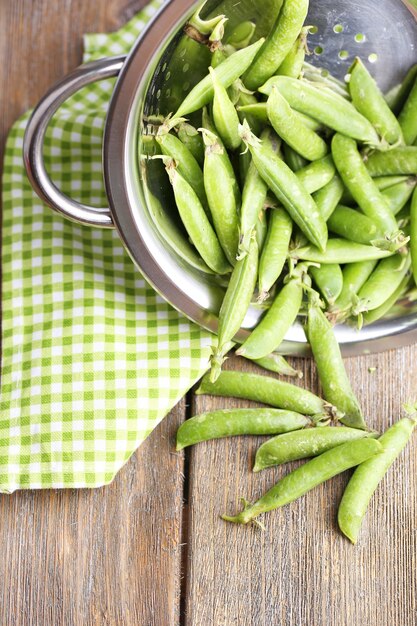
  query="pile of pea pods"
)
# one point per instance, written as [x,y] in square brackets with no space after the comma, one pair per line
[300,189]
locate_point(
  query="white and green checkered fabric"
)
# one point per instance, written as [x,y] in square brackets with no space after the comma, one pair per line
[92,357]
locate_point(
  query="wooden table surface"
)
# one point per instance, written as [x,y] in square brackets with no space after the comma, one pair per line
[150,549]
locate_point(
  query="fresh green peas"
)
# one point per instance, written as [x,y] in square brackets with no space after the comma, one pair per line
[196,222]
[369,101]
[268,391]
[408,117]
[310,475]
[357,179]
[383,281]
[192,139]
[329,280]
[234,422]
[355,276]
[323,105]
[402,160]
[288,126]
[271,330]
[382,182]
[369,317]
[398,195]
[227,72]
[324,80]
[289,191]
[234,306]
[187,165]
[292,65]
[301,445]
[275,251]
[340,251]
[397,97]
[317,175]
[253,201]
[277,363]
[367,477]
[277,45]
[413,235]
[330,366]
[353,225]
[226,119]
[328,197]
[220,193]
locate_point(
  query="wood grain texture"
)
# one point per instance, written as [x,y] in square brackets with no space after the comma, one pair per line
[101,557]
[300,571]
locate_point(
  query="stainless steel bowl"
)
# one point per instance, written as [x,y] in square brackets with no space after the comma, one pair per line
[162,67]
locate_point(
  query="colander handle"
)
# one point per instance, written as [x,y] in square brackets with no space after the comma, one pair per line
[35,135]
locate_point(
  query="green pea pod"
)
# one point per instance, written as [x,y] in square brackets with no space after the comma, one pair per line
[340,251]
[261,230]
[248,100]
[292,65]
[310,475]
[277,363]
[226,119]
[241,35]
[402,160]
[294,160]
[408,117]
[234,422]
[355,276]
[324,80]
[227,72]
[317,175]
[301,445]
[279,42]
[253,199]
[367,477]
[271,330]
[192,139]
[187,165]
[369,100]
[288,126]
[353,225]
[369,317]
[234,306]
[275,251]
[196,222]
[328,197]
[329,280]
[266,390]
[413,235]
[220,195]
[383,281]
[397,97]
[323,105]
[382,182]
[330,366]
[259,110]
[357,179]
[289,191]
[398,195]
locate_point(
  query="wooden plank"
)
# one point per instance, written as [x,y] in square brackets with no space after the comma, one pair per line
[85,557]
[300,570]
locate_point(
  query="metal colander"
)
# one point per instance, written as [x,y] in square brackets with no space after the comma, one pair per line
[161,69]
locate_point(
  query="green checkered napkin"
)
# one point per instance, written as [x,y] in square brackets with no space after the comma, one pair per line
[92,357]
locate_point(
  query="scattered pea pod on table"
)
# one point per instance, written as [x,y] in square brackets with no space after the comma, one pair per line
[285,179]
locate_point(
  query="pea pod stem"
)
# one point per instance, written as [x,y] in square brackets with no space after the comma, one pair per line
[367,477]
[311,442]
[330,366]
[234,422]
[287,188]
[267,390]
[310,475]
